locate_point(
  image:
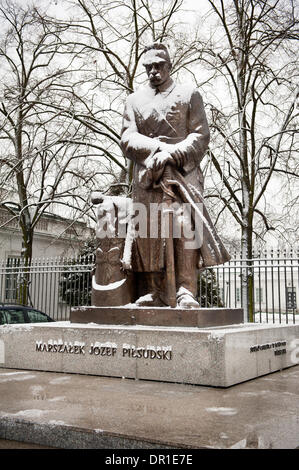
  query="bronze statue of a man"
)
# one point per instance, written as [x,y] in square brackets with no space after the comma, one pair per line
[166,134]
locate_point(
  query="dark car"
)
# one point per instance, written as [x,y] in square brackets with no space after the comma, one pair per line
[10,314]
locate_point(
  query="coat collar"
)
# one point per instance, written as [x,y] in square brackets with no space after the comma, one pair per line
[166,87]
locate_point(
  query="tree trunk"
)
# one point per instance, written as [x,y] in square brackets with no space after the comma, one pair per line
[24,283]
[247,279]
[247,192]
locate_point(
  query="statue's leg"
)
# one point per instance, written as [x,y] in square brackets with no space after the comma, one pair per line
[150,289]
[186,274]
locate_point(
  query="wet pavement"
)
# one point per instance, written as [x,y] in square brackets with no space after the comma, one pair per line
[5,444]
[80,411]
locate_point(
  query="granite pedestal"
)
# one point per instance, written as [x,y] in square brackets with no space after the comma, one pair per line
[216,356]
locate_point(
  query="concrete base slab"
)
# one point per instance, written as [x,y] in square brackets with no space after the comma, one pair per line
[217,356]
[75,411]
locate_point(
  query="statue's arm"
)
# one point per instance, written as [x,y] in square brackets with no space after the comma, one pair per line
[190,151]
[136,146]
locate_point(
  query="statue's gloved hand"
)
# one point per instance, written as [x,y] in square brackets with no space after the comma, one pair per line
[155,165]
[160,159]
[178,155]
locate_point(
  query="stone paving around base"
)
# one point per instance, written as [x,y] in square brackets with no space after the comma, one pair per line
[82,411]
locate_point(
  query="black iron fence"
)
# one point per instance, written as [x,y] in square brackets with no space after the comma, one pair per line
[54,285]
[275,286]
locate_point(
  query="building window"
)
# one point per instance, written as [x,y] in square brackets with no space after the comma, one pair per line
[12,278]
[291,298]
[259,294]
[221,293]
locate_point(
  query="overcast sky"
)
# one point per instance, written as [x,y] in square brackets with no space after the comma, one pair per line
[193,9]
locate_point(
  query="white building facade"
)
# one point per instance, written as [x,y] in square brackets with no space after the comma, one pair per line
[57,241]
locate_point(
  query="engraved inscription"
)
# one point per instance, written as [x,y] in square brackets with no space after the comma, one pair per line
[267,346]
[106,349]
[102,350]
[148,353]
[60,347]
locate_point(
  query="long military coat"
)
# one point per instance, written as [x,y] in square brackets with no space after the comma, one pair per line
[170,117]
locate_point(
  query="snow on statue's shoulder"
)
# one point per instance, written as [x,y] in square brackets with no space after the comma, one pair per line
[184,91]
[142,95]
[142,100]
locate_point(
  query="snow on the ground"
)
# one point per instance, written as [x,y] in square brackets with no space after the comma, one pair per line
[276,318]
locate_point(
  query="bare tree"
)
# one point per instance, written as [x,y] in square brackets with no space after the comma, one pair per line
[253,115]
[38,166]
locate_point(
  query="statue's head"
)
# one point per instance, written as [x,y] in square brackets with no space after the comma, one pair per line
[157,63]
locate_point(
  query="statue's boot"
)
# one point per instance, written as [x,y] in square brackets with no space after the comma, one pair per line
[186,261]
[152,283]
[185,299]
